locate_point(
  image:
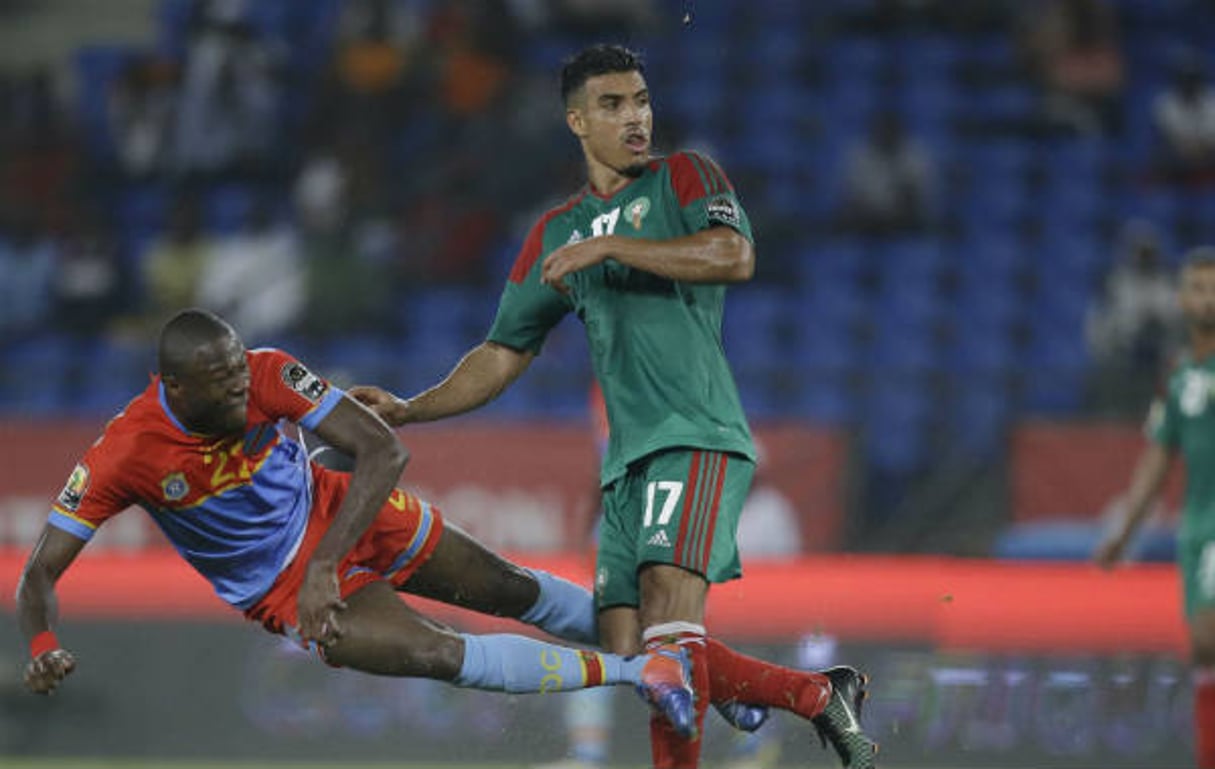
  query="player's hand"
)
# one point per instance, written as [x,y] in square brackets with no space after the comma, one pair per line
[318,605]
[387,406]
[44,672]
[570,258]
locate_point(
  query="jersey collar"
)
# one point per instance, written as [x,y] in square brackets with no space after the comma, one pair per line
[164,405]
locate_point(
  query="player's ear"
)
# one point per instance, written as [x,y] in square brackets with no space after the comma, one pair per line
[576,121]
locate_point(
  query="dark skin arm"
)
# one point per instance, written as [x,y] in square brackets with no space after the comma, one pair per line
[480,376]
[38,606]
[379,459]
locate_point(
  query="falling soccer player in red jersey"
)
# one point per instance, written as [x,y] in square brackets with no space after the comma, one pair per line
[311,553]
[642,256]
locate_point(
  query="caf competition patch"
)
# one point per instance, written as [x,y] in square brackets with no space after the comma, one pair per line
[73,492]
[304,381]
[722,209]
[174,487]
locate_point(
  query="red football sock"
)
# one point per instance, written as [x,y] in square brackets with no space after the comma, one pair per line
[667,748]
[747,679]
[1204,717]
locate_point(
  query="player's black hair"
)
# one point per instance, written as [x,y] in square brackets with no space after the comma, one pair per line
[600,59]
[184,333]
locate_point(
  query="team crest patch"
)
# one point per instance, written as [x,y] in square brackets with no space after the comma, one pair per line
[73,491]
[722,209]
[637,210]
[304,381]
[174,487]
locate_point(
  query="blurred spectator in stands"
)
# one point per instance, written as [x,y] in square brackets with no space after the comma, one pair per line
[604,18]
[39,156]
[227,121]
[1133,324]
[27,269]
[255,277]
[89,286]
[1072,50]
[475,47]
[141,115]
[888,183]
[378,54]
[1184,116]
[172,264]
[348,287]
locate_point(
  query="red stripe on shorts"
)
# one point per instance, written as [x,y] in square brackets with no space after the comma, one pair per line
[693,473]
[715,503]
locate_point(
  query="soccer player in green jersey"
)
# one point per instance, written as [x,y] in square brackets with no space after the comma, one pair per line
[1182,420]
[642,255]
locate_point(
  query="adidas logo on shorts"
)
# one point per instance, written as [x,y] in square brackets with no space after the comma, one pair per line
[659,539]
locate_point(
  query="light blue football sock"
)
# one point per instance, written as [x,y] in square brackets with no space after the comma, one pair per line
[512,663]
[564,610]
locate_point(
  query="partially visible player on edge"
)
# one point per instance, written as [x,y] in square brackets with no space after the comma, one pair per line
[1182,421]
[642,256]
[310,553]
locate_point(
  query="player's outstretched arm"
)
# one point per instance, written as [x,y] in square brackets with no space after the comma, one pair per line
[480,376]
[37,609]
[379,459]
[1146,481]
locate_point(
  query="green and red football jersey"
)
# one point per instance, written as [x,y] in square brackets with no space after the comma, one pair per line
[655,343]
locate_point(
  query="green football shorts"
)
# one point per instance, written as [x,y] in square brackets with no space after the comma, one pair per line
[1196,559]
[676,506]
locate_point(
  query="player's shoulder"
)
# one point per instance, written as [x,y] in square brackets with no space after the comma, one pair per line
[559,210]
[694,174]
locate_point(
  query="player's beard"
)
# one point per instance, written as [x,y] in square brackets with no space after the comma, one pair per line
[634,170]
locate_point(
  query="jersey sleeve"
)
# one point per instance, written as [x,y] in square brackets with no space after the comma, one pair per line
[528,309]
[284,388]
[95,491]
[706,196]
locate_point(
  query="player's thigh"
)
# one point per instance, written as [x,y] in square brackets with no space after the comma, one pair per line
[384,636]
[690,504]
[463,572]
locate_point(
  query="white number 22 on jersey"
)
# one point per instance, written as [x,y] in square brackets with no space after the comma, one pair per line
[673,491]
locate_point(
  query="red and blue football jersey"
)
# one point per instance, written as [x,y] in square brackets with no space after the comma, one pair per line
[235,508]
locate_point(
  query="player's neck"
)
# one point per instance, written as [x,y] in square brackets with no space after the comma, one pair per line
[604,180]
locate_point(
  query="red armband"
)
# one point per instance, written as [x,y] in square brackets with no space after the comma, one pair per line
[43,643]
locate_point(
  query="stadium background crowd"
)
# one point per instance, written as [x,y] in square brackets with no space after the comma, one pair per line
[967,213]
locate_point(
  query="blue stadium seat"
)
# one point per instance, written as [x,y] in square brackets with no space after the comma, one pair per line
[34,372]
[826,401]
[97,67]
[898,350]
[226,207]
[978,349]
[978,416]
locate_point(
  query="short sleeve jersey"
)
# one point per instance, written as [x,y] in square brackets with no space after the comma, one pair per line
[235,508]
[1183,419]
[655,343]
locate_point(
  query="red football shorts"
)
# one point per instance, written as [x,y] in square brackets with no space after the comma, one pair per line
[399,540]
